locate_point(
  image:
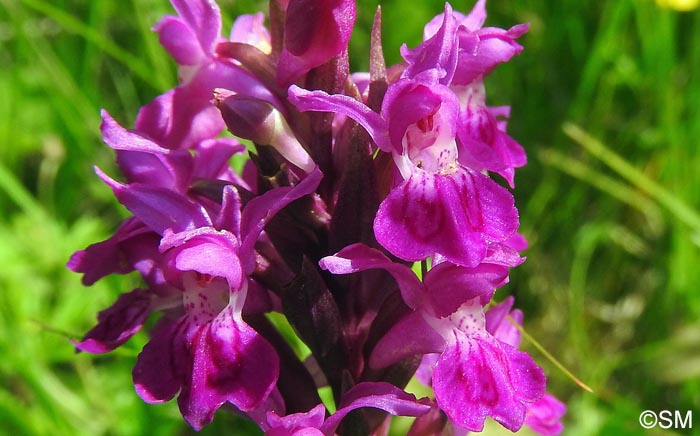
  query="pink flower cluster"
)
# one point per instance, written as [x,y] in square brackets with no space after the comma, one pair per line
[352,178]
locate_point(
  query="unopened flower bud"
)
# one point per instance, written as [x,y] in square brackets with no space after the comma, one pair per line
[259,121]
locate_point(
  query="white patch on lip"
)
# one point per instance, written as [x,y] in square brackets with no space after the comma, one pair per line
[204,297]
[466,322]
[431,146]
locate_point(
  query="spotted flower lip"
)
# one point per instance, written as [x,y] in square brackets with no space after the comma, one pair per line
[424,216]
[491,377]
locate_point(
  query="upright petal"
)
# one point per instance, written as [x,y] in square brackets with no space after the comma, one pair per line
[179,39]
[203,18]
[206,251]
[229,217]
[433,109]
[250,29]
[500,319]
[438,52]
[314,32]
[472,21]
[476,17]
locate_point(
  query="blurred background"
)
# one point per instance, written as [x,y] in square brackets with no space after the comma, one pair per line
[605,99]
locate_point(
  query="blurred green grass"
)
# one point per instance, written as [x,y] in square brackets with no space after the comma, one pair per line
[605,98]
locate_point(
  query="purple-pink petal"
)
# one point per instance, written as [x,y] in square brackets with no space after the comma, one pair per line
[438,52]
[544,416]
[476,17]
[229,217]
[411,336]
[163,362]
[359,257]
[432,423]
[314,32]
[528,379]
[378,395]
[180,41]
[231,363]
[479,377]
[449,286]
[407,102]
[424,373]
[261,209]
[158,208]
[109,256]
[181,118]
[212,158]
[483,143]
[203,18]
[250,29]
[206,251]
[493,46]
[118,323]
[504,253]
[455,215]
[472,21]
[374,124]
[499,324]
[291,424]
[119,138]
[168,171]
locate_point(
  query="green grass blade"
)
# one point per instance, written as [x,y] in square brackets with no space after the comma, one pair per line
[675,205]
[606,184]
[71,24]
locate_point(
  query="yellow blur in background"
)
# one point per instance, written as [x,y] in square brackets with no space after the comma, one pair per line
[679,5]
